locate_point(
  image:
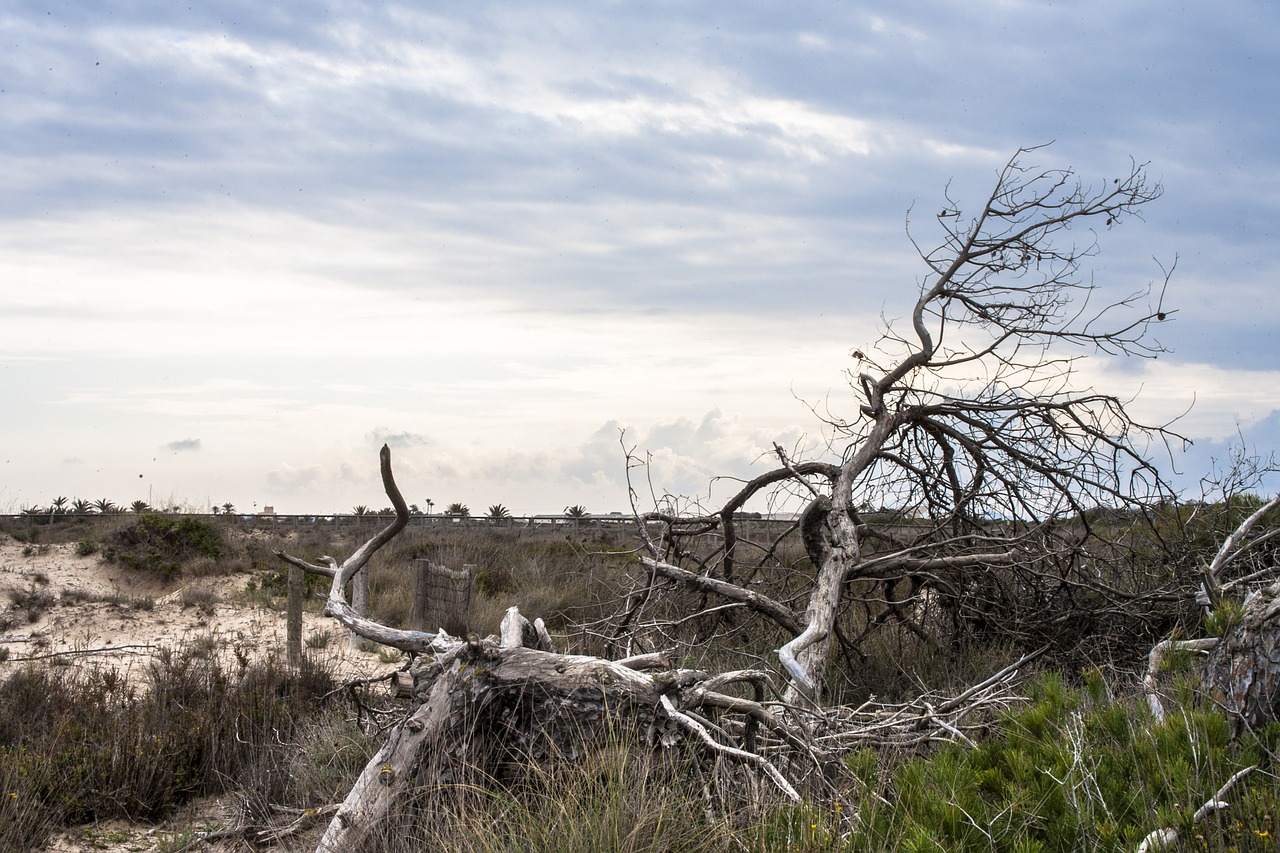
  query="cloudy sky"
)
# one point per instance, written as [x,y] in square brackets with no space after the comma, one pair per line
[243,244]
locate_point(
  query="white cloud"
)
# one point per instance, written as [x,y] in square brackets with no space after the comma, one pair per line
[484,232]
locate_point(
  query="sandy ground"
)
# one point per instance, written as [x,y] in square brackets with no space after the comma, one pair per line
[99,614]
[110,615]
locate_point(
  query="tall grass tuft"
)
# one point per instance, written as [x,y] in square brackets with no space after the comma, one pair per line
[615,798]
[78,746]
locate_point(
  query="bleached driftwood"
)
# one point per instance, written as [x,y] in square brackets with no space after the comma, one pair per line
[480,704]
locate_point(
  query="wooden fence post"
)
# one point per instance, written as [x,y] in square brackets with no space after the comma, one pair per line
[293,619]
[441,597]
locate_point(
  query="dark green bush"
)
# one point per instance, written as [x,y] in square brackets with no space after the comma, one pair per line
[160,544]
[1070,771]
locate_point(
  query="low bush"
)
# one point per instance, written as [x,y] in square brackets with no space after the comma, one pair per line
[1072,770]
[160,544]
[33,601]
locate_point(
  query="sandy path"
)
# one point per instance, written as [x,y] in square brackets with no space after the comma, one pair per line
[119,617]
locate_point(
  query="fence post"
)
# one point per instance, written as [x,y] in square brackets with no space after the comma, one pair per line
[441,597]
[293,619]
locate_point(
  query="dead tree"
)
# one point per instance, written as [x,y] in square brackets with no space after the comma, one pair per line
[944,498]
[484,708]
[1240,595]
[484,704]
[977,472]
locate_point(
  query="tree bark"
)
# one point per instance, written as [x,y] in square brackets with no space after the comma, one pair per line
[1242,673]
[485,711]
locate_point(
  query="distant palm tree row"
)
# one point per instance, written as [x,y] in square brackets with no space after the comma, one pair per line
[497,512]
[80,506]
[64,506]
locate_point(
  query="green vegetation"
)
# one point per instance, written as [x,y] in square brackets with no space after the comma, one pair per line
[1070,771]
[1079,765]
[32,601]
[160,544]
[319,639]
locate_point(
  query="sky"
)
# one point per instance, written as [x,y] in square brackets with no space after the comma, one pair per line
[244,244]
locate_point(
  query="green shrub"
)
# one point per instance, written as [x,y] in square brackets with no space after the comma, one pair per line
[319,640]
[160,544]
[275,583]
[1070,771]
[33,601]
[85,547]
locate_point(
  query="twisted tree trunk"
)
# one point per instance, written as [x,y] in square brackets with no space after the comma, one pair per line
[1242,673]
[485,712]
[485,708]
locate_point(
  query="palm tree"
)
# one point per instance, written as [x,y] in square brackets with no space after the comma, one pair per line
[497,512]
[360,509]
[576,511]
[59,506]
[105,506]
[140,506]
[228,508]
[80,506]
[460,510]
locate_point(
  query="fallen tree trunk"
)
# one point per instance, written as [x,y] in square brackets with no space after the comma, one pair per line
[1242,673]
[482,713]
[498,710]
[484,709]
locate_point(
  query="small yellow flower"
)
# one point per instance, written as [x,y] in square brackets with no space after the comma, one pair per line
[1263,834]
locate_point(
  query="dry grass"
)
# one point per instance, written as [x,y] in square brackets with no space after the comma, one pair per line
[82,745]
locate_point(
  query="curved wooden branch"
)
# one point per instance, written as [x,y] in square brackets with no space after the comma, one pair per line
[336,604]
[759,761]
[1231,549]
[776,611]
[357,561]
